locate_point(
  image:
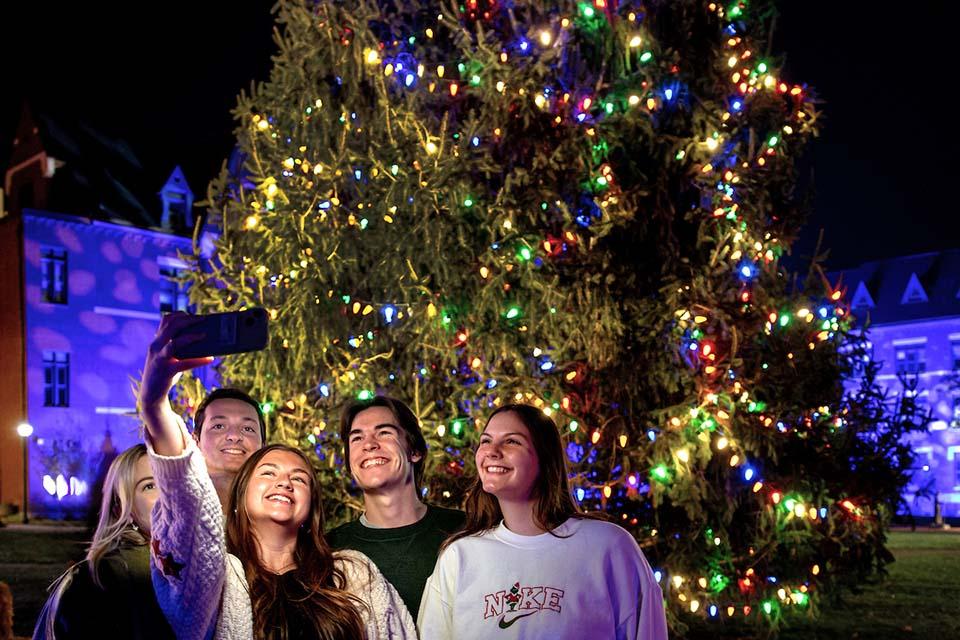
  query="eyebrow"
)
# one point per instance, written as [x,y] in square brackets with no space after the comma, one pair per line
[509,433]
[270,464]
[144,479]
[248,419]
[379,426]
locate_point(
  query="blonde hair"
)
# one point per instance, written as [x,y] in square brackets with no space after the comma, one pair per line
[115,527]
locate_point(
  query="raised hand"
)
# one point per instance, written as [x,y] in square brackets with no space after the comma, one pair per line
[160,372]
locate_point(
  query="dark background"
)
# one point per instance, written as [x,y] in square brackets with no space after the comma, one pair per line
[164,77]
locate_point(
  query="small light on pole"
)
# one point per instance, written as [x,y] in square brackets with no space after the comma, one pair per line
[25,430]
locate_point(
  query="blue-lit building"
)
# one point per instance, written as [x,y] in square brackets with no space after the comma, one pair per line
[911,305]
[87,266]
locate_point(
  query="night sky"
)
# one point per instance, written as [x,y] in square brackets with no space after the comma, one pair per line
[164,77]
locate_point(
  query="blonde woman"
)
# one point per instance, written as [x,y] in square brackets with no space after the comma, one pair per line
[109,594]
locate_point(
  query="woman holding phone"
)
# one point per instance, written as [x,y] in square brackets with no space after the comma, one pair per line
[273,575]
[528,563]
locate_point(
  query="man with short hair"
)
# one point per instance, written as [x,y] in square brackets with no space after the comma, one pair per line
[385,453]
[228,424]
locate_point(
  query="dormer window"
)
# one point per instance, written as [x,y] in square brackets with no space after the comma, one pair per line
[177,203]
[862,298]
[914,292]
[176,211]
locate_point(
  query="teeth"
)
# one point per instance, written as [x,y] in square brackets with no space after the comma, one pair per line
[374,462]
[279,498]
[238,452]
[497,469]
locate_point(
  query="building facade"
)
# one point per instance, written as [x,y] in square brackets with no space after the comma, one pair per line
[83,291]
[911,308]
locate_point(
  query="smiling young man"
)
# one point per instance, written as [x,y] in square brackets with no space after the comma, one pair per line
[385,453]
[228,427]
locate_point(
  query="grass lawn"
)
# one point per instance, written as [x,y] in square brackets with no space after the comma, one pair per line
[919,599]
[30,561]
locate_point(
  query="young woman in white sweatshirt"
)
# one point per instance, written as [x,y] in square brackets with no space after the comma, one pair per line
[529,564]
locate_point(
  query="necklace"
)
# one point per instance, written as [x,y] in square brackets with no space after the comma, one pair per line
[283,569]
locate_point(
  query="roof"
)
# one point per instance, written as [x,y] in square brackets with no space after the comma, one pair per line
[904,289]
[97,175]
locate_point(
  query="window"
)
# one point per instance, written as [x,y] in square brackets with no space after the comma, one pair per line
[911,359]
[56,379]
[955,352]
[176,211]
[172,295]
[862,298]
[53,275]
[914,292]
[955,421]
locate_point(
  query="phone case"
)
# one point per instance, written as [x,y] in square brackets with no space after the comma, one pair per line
[226,333]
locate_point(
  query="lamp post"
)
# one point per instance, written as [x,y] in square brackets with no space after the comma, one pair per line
[25,430]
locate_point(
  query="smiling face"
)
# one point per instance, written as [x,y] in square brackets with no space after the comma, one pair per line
[380,459]
[229,434]
[507,462]
[279,490]
[144,494]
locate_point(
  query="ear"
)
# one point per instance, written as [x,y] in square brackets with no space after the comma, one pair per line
[415,456]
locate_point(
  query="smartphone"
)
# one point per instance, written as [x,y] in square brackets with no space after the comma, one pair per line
[226,333]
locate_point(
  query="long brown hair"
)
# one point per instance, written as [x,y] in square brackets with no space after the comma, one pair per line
[555,503]
[333,612]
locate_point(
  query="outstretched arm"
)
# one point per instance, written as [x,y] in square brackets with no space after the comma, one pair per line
[160,373]
[188,558]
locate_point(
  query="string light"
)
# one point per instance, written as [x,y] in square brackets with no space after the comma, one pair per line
[750,259]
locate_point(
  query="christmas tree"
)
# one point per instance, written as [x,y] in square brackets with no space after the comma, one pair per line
[579,205]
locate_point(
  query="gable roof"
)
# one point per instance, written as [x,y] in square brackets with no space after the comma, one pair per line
[890,284]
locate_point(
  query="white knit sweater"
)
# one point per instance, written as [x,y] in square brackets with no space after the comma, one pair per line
[202,589]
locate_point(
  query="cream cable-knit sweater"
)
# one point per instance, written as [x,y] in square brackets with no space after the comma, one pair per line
[202,589]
